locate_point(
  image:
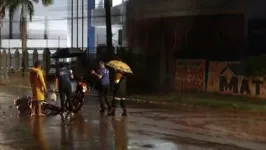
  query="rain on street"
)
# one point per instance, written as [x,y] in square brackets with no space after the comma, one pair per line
[144,129]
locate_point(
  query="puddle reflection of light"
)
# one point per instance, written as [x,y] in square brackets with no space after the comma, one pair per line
[192,147]
[153,145]
[95,122]
[167,145]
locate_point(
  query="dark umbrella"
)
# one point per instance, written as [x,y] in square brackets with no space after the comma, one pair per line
[67,52]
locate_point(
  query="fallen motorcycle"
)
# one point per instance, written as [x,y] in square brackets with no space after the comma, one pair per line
[23,105]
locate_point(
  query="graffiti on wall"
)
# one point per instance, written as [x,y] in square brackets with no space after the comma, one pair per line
[229,77]
[190,74]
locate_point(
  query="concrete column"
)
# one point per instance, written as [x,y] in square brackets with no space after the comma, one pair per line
[16,61]
[46,60]
[26,59]
[124,24]
[4,59]
[35,56]
[8,58]
[0,59]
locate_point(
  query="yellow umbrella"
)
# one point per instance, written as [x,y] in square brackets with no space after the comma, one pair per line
[119,65]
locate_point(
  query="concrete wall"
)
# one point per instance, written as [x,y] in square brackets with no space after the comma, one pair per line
[225,78]
[255,25]
[170,29]
[210,36]
[140,9]
[255,9]
[190,75]
[221,77]
[32,43]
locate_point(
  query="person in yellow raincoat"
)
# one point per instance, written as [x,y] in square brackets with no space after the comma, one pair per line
[38,87]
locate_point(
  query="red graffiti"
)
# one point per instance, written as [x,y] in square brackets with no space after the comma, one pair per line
[192,84]
[190,75]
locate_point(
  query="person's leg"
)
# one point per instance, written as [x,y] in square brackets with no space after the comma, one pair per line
[105,92]
[33,108]
[68,92]
[112,113]
[39,105]
[123,106]
[62,99]
[101,97]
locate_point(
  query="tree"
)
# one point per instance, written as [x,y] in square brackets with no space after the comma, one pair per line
[3,4]
[26,8]
[107,6]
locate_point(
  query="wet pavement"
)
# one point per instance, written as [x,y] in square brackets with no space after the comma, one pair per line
[144,129]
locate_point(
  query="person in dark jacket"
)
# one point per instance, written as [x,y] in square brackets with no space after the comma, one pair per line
[63,82]
[118,94]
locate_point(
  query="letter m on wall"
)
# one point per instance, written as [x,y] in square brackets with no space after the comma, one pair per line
[231,86]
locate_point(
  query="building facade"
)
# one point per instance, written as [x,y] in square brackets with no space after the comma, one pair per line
[256,26]
[97,23]
[78,31]
[206,27]
[162,31]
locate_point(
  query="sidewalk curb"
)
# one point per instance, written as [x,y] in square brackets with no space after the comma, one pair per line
[149,102]
[15,86]
[130,100]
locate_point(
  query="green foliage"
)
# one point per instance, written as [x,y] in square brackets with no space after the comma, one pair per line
[26,7]
[3,4]
[255,65]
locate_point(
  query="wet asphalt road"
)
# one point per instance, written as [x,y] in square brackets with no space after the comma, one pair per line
[144,129]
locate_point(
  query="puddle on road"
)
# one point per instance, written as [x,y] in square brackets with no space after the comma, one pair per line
[152,141]
[111,133]
[90,131]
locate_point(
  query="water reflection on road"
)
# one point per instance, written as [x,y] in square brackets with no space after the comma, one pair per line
[106,133]
[144,129]
[38,132]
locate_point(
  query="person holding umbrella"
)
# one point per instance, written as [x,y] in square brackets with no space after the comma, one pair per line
[118,94]
[121,69]
[63,82]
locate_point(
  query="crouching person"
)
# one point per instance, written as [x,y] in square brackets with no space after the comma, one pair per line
[38,88]
[118,94]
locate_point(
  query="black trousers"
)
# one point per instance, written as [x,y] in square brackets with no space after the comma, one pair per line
[64,93]
[117,93]
[103,97]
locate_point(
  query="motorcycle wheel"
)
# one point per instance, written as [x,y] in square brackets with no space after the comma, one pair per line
[76,104]
[50,110]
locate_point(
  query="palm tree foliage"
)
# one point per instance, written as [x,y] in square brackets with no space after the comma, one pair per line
[3,4]
[26,8]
